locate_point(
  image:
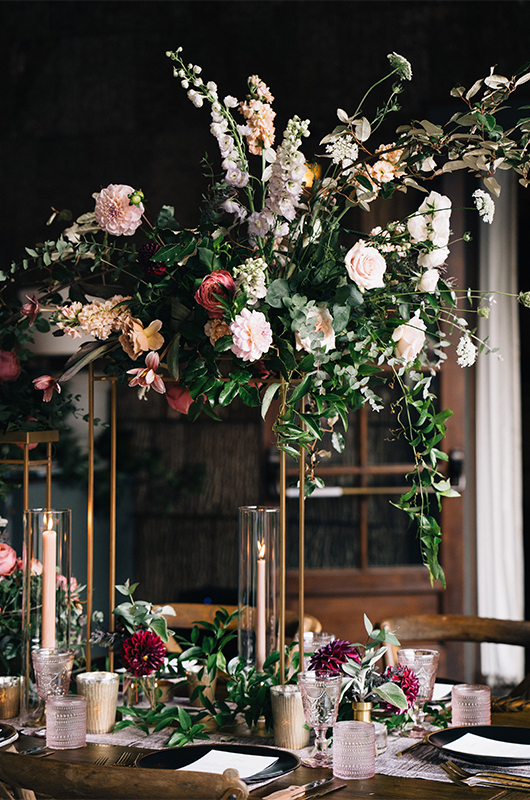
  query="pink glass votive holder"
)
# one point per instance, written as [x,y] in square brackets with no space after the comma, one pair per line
[53,669]
[66,722]
[353,750]
[471,704]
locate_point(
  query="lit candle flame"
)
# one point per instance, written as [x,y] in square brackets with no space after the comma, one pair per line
[261,550]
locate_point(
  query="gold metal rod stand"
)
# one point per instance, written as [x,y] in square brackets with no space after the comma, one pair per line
[301,549]
[25,479]
[90,518]
[283,526]
[49,475]
[112,553]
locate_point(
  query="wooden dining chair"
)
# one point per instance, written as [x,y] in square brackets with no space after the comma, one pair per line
[435,628]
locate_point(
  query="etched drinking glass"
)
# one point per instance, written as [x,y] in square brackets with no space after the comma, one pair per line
[424,664]
[53,669]
[320,697]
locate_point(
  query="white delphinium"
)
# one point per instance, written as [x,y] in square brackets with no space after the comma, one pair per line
[466,352]
[343,150]
[288,171]
[251,277]
[485,205]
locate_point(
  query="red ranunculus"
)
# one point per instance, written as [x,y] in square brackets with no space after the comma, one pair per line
[9,366]
[8,559]
[217,283]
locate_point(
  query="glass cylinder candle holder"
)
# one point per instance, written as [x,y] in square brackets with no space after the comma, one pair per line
[259,533]
[46,593]
[66,722]
[471,704]
[353,750]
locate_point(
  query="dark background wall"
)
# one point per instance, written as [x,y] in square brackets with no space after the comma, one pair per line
[88,99]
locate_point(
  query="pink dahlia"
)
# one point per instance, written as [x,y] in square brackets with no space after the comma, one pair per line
[218,284]
[407,680]
[9,366]
[252,335]
[143,653]
[331,657]
[114,211]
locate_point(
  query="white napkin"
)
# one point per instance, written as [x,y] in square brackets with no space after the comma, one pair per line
[219,760]
[472,744]
[441,691]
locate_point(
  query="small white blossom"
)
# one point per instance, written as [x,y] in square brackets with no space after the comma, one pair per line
[485,205]
[466,352]
[251,277]
[231,102]
[401,65]
[343,151]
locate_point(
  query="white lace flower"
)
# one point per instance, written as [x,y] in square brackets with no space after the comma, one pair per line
[485,205]
[343,151]
[466,352]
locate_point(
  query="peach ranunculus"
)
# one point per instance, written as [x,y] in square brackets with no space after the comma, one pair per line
[136,339]
[8,559]
[431,221]
[410,338]
[429,281]
[9,366]
[365,266]
[179,398]
[215,329]
[114,211]
[323,322]
[252,335]
[219,283]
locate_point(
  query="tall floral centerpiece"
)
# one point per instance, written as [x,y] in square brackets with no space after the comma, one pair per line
[274,294]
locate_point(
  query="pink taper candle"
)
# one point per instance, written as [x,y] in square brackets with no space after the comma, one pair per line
[49,578]
[260,610]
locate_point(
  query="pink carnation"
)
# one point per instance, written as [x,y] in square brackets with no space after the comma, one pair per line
[114,211]
[252,335]
[219,283]
[8,559]
[9,366]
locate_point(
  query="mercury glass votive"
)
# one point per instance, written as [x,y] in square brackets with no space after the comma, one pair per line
[101,692]
[9,696]
[288,717]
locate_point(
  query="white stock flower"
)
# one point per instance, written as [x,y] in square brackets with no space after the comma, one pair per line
[466,352]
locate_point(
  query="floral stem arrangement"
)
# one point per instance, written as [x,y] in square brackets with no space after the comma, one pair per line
[275,294]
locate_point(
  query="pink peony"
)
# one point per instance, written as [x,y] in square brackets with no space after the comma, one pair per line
[410,338]
[8,559]
[179,398]
[47,384]
[324,325]
[146,376]
[365,266]
[9,366]
[252,335]
[114,211]
[217,283]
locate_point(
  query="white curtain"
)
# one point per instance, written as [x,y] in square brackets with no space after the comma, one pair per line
[499,459]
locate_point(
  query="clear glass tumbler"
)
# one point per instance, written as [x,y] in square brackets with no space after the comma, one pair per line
[353,750]
[471,704]
[320,697]
[66,722]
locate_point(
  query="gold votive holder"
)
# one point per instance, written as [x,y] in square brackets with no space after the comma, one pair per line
[101,692]
[9,696]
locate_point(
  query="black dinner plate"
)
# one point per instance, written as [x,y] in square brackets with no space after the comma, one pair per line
[499,732]
[8,734]
[177,757]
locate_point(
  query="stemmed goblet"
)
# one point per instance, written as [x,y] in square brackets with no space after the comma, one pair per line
[320,698]
[424,664]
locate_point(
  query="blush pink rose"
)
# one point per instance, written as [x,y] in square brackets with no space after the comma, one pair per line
[217,283]
[252,335]
[8,559]
[9,366]
[365,266]
[114,211]
[179,398]
[323,324]
[410,338]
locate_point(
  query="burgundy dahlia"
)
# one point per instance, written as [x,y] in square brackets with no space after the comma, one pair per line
[143,653]
[144,258]
[406,679]
[330,657]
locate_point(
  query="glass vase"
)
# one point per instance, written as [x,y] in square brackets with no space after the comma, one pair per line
[46,595]
[259,533]
[140,690]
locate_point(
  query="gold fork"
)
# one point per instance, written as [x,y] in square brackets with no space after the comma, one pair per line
[463,778]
